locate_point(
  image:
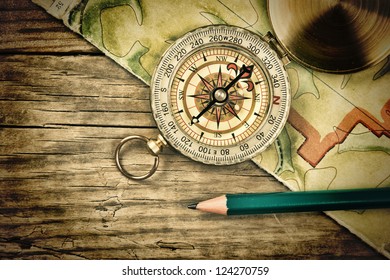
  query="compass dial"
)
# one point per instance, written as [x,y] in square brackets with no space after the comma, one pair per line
[220,95]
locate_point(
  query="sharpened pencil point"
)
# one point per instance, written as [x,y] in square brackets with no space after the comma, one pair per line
[192,206]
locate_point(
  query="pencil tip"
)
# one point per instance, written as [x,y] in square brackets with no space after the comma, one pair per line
[192,206]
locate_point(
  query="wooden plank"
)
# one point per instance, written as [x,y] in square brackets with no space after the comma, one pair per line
[26,27]
[63,198]
[71,90]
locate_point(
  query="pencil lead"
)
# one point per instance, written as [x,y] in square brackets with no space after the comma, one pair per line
[192,206]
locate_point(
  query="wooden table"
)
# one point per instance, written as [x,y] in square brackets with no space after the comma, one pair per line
[64,107]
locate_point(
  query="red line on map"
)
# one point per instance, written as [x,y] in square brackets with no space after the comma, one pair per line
[314,149]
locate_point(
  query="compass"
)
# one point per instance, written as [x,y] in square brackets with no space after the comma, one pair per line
[220,95]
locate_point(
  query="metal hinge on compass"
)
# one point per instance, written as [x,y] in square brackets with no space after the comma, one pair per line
[276,46]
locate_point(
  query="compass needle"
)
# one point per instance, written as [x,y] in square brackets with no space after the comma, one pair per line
[244,72]
[208,107]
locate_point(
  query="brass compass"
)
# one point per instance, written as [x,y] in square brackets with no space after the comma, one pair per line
[220,95]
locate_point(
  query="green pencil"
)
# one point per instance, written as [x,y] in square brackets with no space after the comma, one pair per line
[279,202]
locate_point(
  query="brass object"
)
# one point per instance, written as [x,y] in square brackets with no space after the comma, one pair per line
[333,36]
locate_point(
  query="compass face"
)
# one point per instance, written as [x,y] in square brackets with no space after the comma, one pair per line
[220,95]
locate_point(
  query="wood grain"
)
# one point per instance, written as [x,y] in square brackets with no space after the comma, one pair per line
[63,109]
[27,28]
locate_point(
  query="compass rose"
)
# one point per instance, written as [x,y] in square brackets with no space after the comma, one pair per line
[219,97]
